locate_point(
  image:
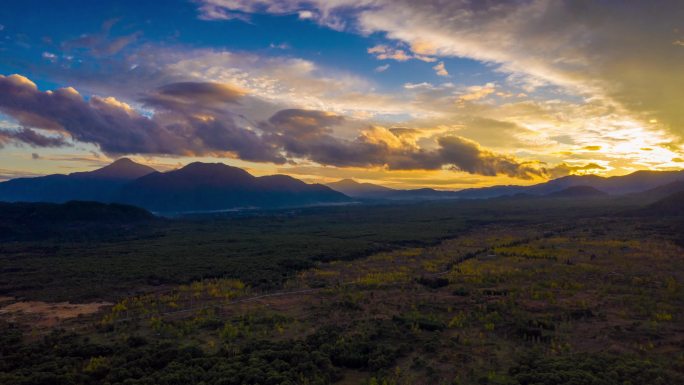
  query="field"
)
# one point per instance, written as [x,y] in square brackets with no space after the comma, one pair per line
[482,292]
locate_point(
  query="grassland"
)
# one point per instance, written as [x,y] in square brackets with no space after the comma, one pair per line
[263,249]
[497,292]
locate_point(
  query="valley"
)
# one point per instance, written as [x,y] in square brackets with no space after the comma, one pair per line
[474,292]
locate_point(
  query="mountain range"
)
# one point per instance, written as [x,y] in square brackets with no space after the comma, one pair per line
[201,187]
[216,186]
[195,187]
[100,185]
[671,205]
[369,191]
[661,182]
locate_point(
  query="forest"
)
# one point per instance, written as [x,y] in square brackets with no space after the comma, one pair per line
[500,291]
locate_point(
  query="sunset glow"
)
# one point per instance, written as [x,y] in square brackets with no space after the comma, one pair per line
[400,93]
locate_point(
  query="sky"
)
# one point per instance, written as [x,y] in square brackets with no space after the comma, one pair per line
[443,94]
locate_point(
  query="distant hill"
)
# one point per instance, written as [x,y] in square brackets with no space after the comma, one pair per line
[422,194]
[122,169]
[618,185]
[672,205]
[634,182]
[660,192]
[195,187]
[216,186]
[578,192]
[25,220]
[638,181]
[371,191]
[101,185]
[353,188]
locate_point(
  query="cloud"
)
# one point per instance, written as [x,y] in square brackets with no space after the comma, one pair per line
[384,52]
[305,15]
[403,132]
[307,134]
[193,96]
[440,69]
[196,118]
[494,132]
[279,46]
[303,124]
[32,138]
[468,156]
[382,68]
[118,129]
[213,12]
[564,169]
[474,93]
[49,56]
[285,81]
[576,46]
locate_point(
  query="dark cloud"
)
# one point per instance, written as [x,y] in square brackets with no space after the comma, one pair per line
[107,122]
[193,95]
[192,119]
[302,124]
[33,138]
[468,156]
[564,169]
[118,129]
[307,134]
[223,135]
[403,131]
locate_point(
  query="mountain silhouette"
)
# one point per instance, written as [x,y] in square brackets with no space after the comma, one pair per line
[101,185]
[372,191]
[353,188]
[123,168]
[195,187]
[660,192]
[636,182]
[672,205]
[216,186]
[616,185]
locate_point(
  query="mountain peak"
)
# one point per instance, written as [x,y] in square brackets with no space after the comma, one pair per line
[349,184]
[207,165]
[122,168]
[122,161]
[353,188]
[347,181]
[217,186]
[213,170]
